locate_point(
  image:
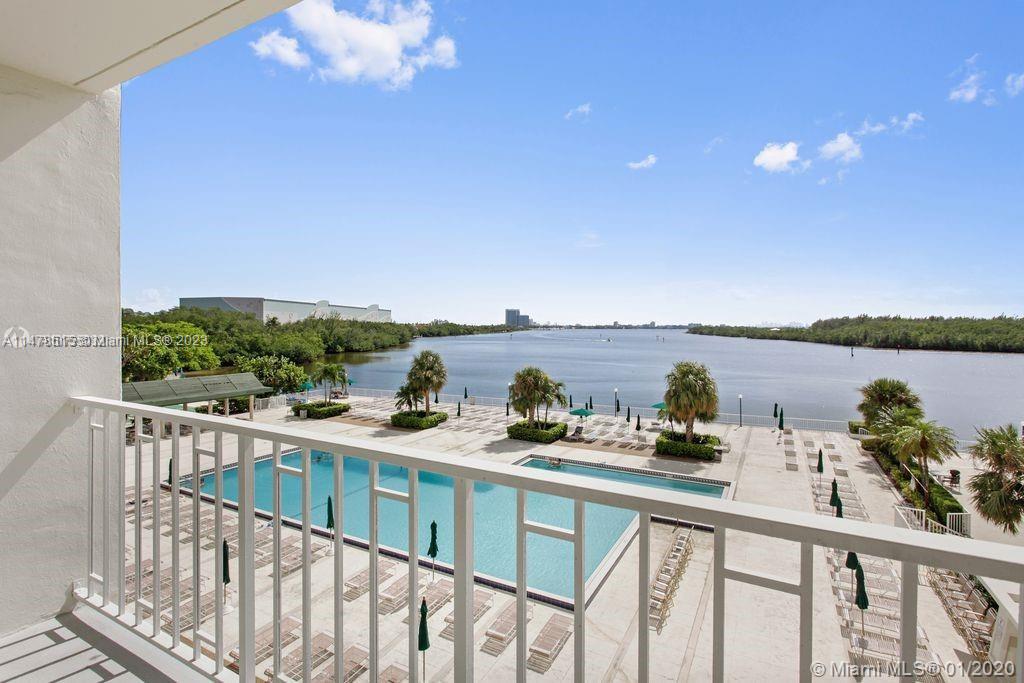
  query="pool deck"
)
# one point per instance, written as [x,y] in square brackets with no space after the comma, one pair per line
[761,625]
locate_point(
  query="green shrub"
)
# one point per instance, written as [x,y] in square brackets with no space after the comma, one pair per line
[942,501]
[543,432]
[674,443]
[418,419]
[318,410]
[855,426]
[238,405]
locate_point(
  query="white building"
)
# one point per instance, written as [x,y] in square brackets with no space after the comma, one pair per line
[286,311]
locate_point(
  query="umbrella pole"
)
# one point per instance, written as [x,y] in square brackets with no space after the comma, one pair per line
[424,667]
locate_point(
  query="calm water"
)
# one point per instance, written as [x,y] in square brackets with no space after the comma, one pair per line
[810,380]
[549,561]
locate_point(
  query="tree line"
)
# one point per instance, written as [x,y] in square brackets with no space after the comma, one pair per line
[1003,334]
[204,339]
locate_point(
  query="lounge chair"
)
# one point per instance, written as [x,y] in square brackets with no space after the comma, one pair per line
[395,595]
[265,641]
[482,600]
[577,434]
[359,583]
[437,594]
[549,643]
[503,630]
[293,667]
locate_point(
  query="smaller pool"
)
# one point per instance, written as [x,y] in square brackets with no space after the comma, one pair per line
[661,480]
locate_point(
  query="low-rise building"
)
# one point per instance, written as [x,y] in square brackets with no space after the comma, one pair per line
[286,311]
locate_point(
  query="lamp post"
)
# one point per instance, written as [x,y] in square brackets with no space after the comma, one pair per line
[508,396]
[615,404]
[741,410]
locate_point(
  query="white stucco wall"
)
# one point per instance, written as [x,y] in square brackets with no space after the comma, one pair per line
[59,274]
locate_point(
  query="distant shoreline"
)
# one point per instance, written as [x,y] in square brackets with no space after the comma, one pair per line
[967,335]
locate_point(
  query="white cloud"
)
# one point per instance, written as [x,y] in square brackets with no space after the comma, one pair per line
[776,158]
[589,240]
[151,299]
[1014,84]
[582,111]
[281,49]
[907,122]
[388,43]
[712,143]
[842,148]
[972,85]
[967,90]
[868,128]
[646,162]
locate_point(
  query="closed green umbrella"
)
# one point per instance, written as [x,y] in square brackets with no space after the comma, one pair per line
[821,464]
[432,550]
[225,571]
[458,412]
[506,409]
[170,471]
[782,419]
[436,399]
[839,508]
[330,513]
[570,401]
[775,410]
[628,418]
[862,595]
[590,403]
[638,422]
[834,500]
[852,563]
[465,392]
[423,642]
[617,408]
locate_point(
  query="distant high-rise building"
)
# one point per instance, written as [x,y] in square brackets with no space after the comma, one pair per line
[524,321]
[511,317]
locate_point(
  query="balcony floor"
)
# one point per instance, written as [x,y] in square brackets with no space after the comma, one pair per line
[83,646]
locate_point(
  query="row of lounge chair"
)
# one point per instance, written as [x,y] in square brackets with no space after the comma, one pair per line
[670,570]
[968,609]
[873,634]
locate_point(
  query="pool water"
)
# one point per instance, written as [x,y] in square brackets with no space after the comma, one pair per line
[549,561]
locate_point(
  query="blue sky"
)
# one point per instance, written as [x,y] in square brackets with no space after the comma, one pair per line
[588,161]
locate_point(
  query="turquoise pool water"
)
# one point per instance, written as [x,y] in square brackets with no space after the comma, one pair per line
[549,561]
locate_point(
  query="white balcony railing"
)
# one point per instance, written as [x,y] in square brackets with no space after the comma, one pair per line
[105,586]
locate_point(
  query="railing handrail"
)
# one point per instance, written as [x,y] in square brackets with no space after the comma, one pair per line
[982,558]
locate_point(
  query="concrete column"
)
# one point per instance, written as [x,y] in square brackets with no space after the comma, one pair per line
[252,406]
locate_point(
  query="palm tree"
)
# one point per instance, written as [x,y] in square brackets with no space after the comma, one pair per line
[427,374]
[407,398]
[691,394]
[553,392]
[329,373]
[891,420]
[883,394]
[530,387]
[998,490]
[923,441]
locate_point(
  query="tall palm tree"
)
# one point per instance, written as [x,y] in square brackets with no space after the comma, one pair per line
[691,394]
[529,388]
[407,398]
[331,374]
[998,490]
[427,374]
[891,420]
[883,394]
[923,441]
[553,392]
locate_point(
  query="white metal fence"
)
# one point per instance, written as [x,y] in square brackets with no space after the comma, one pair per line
[104,586]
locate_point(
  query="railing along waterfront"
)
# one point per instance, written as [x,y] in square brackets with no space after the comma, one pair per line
[104,586]
[645,413]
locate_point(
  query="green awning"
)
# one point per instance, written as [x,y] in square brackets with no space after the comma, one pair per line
[169,392]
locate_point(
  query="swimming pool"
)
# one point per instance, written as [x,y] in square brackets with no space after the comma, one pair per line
[549,561]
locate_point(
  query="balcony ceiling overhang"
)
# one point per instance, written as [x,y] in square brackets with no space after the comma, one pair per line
[93,45]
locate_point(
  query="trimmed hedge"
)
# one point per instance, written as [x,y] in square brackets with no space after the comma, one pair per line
[238,405]
[674,443]
[417,419]
[318,410]
[942,501]
[544,432]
